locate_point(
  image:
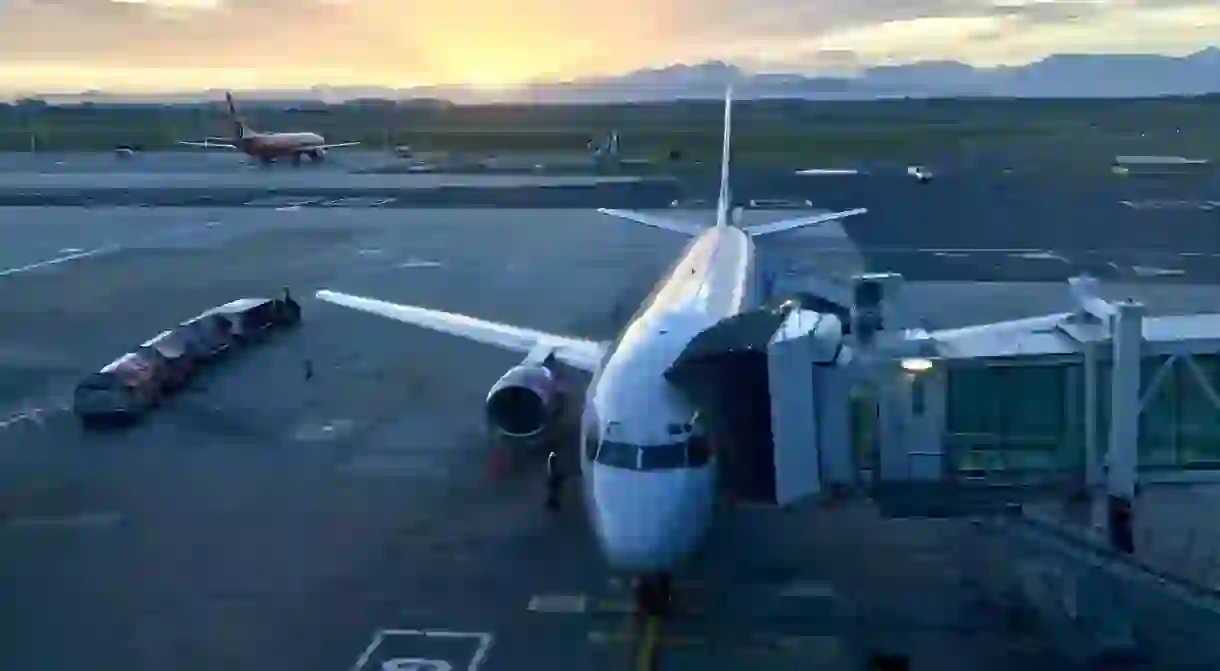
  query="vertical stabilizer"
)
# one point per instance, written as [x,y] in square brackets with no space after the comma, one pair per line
[724,202]
[239,127]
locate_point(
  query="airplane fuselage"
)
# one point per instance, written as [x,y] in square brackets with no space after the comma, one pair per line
[276,145]
[649,503]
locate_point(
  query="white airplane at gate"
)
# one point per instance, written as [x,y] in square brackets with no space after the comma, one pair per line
[649,475]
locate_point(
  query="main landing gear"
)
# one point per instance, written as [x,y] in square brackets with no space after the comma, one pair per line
[652,596]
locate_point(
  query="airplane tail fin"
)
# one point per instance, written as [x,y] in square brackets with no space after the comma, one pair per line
[239,126]
[724,200]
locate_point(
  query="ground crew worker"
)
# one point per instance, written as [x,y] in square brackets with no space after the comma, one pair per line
[554,482]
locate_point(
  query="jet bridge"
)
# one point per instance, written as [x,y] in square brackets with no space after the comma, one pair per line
[738,374]
[1101,399]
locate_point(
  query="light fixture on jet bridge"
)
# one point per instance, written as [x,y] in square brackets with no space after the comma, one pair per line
[916,365]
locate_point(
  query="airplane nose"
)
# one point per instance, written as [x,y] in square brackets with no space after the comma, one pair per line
[645,520]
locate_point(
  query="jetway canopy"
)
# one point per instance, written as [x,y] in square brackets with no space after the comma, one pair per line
[739,373]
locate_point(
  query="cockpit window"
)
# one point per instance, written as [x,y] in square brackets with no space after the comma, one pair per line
[694,452]
[698,451]
[618,455]
[663,457]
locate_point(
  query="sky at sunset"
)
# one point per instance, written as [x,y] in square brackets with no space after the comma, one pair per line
[158,45]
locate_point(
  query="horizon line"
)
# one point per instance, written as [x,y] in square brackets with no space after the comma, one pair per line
[856,72]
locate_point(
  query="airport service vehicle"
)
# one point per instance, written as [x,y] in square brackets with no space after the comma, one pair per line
[173,354]
[121,391]
[133,383]
[648,471]
[268,147]
[250,318]
[208,336]
[920,173]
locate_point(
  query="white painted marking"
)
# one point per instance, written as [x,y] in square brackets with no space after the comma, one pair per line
[951,255]
[357,201]
[84,521]
[1114,267]
[420,263]
[60,259]
[1190,254]
[369,252]
[1147,271]
[318,431]
[71,250]
[485,641]
[211,224]
[416,664]
[558,603]
[599,637]
[1040,256]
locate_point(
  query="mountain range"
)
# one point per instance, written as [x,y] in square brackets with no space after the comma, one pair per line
[1058,76]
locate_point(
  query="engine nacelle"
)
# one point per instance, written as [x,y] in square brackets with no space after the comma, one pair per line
[524,402]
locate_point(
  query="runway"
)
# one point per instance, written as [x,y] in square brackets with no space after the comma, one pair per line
[265,520]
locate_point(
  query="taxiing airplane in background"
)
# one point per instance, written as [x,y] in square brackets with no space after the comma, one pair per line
[649,472]
[267,147]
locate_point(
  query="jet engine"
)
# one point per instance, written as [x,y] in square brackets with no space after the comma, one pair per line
[524,402]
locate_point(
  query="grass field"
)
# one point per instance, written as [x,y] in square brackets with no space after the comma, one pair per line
[765,131]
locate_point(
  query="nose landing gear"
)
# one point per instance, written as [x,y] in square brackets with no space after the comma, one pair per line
[652,596]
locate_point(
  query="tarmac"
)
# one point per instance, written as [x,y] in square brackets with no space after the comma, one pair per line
[352,521]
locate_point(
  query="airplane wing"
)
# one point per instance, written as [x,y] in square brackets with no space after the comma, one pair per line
[789,224]
[656,222]
[576,352]
[335,145]
[209,145]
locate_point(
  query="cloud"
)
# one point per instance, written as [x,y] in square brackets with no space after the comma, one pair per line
[237,42]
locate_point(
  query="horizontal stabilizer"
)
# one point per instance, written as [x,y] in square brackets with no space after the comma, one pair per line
[656,222]
[790,224]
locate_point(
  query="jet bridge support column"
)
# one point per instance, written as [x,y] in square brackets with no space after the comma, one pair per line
[1122,458]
